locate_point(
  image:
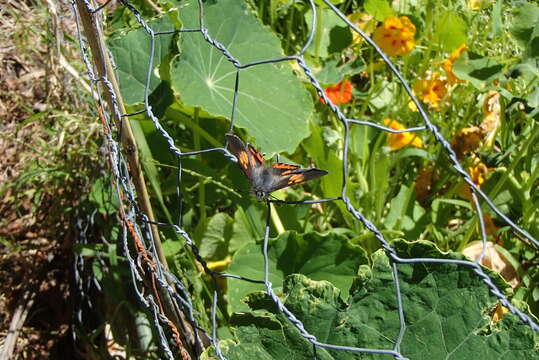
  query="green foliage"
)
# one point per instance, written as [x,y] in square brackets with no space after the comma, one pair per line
[445,313]
[379,9]
[478,70]
[131,53]
[410,193]
[267,90]
[450,31]
[321,257]
[332,72]
[103,197]
[331,36]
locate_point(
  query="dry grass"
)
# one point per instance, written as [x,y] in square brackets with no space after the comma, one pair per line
[48,157]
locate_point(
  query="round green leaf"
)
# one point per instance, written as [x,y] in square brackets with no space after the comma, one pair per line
[446,309]
[272,103]
[322,257]
[450,31]
[131,52]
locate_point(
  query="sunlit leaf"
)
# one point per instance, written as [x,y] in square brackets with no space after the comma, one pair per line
[525,23]
[273,105]
[131,54]
[216,237]
[322,257]
[477,69]
[332,34]
[450,31]
[379,9]
[445,315]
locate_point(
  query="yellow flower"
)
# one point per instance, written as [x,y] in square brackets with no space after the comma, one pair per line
[478,173]
[395,36]
[447,64]
[400,140]
[475,4]
[498,313]
[430,90]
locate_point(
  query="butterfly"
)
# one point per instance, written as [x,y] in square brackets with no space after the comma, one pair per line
[264,178]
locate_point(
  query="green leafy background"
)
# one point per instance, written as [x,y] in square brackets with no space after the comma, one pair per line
[325,265]
[446,308]
[272,104]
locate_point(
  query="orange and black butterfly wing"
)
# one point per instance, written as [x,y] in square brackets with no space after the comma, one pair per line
[248,157]
[257,158]
[284,169]
[293,175]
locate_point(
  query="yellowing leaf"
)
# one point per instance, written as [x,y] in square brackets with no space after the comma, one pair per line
[467,140]
[492,120]
[493,259]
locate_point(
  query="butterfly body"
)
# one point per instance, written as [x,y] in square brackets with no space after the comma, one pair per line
[266,178]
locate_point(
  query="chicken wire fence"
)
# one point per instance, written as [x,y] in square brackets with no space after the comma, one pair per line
[160,292]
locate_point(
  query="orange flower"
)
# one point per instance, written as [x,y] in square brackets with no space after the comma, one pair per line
[340,93]
[400,140]
[478,173]
[430,90]
[447,64]
[498,312]
[395,36]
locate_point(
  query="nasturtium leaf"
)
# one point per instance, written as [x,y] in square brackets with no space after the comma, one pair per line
[216,237]
[476,69]
[403,210]
[533,97]
[248,226]
[525,29]
[331,73]
[264,337]
[273,105]
[332,34]
[446,315]
[385,95]
[131,54]
[379,9]
[450,31]
[325,158]
[322,257]
[524,23]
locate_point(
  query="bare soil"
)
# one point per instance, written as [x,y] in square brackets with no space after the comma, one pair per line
[40,137]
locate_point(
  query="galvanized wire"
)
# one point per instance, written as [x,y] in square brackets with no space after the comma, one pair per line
[141,223]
